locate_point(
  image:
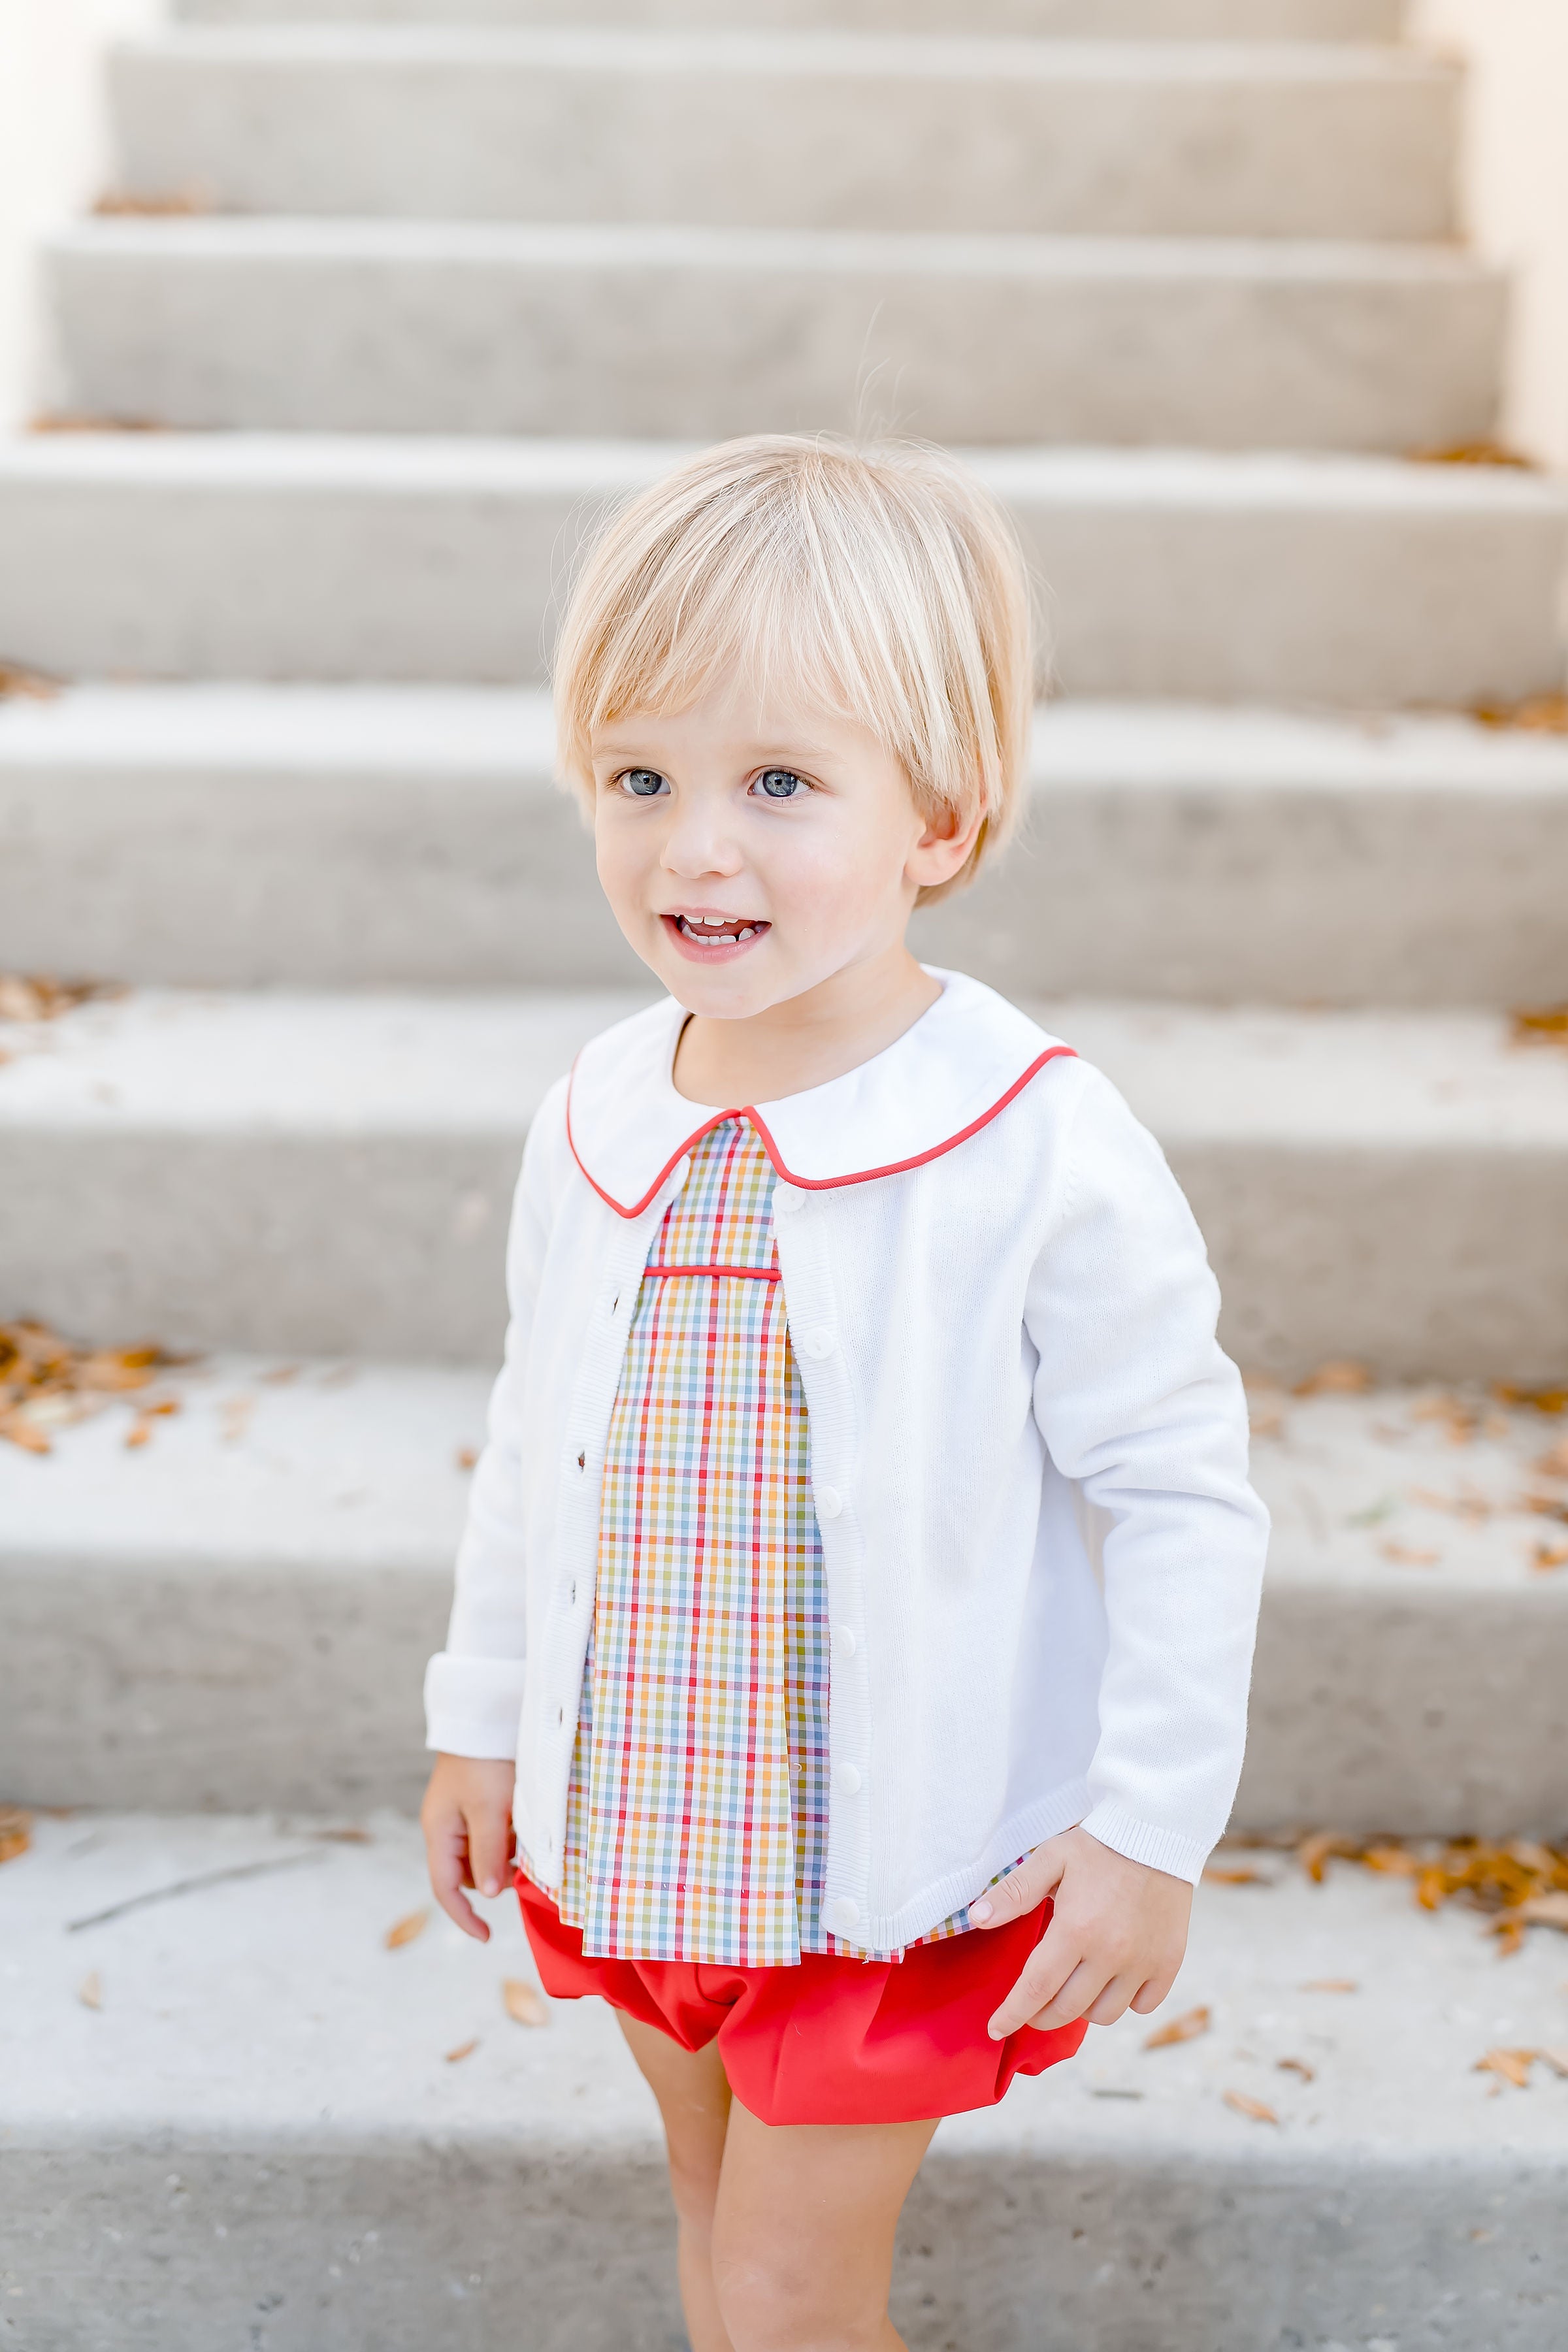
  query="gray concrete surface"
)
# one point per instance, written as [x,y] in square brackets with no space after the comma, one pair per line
[1326,20]
[448,121]
[1248,576]
[237,1613]
[331,1174]
[497,328]
[360,836]
[257,2137]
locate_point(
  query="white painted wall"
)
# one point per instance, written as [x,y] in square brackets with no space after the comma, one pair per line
[1515,189]
[53,154]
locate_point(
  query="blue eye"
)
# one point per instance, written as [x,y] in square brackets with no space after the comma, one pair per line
[781,784]
[642,783]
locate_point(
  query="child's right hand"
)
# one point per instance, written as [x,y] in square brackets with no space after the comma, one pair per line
[467,1821]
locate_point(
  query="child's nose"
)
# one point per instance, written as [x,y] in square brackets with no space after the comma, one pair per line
[695,846]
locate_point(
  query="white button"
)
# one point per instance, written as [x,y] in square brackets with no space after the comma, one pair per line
[846,1780]
[844,1915]
[846,1641]
[829,1501]
[785,1203]
[818,1343]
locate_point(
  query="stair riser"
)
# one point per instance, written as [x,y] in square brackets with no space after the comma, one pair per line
[1266,155]
[1328,20]
[1425,1263]
[352,2243]
[319,878]
[247,337]
[292,1683]
[271,574]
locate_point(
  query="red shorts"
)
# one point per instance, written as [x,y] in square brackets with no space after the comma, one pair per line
[830,2041]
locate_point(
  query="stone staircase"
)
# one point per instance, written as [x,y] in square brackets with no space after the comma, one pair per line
[409,292]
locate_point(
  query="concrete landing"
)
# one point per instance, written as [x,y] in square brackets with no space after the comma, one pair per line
[258,2138]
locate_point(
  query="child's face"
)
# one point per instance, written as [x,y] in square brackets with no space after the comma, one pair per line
[751,853]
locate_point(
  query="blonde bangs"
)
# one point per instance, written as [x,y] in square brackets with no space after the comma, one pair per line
[884,585]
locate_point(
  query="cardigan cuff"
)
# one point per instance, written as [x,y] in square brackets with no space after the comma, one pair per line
[472,1706]
[1166,1850]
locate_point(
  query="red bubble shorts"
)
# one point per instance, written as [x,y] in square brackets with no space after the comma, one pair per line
[829,2041]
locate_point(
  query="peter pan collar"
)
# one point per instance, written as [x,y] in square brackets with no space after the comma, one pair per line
[961,1063]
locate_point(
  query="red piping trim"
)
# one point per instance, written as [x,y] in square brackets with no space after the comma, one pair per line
[753,1273]
[811,1183]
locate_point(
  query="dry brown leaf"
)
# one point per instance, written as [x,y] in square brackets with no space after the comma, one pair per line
[1548,1556]
[33,683]
[175,203]
[1547,1401]
[1253,2109]
[1541,714]
[1331,1984]
[463,2050]
[1554,1463]
[21,1429]
[1409,1555]
[1315,1852]
[34,996]
[1459,1420]
[1185,2028]
[521,2002]
[89,1992]
[405,1930]
[15,1832]
[1545,1506]
[1298,2066]
[139,1432]
[344,1837]
[1482,452]
[1217,1874]
[1396,1861]
[1341,1377]
[467,1456]
[1512,2066]
[1549,1910]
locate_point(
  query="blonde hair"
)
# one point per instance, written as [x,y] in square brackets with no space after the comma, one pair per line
[884,584]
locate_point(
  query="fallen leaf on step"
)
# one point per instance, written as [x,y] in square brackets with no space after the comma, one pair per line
[1512,2066]
[1541,714]
[521,2002]
[1331,1984]
[1547,1556]
[21,1430]
[15,1832]
[405,1930]
[1315,1852]
[1409,1555]
[139,1433]
[1545,1506]
[467,1456]
[463,2050]
[1554,1465]
[1459,1420]
[344,1837]
[117,204]
[1185,2028]
[91,1992]
[33,683]
[33,996]
[1253,2109]
[1482,452]
[1547,1401]
[1219,1875]
[1298,2066]
[1341,1377]
[280,1376]
[1544,1911]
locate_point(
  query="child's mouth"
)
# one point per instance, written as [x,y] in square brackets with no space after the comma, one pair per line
[714,939]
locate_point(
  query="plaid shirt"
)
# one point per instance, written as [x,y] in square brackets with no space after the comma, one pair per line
[697,1815]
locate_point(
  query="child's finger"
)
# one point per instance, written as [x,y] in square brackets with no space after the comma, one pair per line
[447,1853]
[1022,1890]
[1047,1969]
[1078,1997]
[490,1847]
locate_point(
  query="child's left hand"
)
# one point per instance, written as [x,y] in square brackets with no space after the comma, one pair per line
[1115,1941]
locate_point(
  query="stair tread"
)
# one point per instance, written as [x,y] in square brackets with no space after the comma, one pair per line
[469,1062]
[509,731]
[288,1465]
[258,2010]
[1315,482]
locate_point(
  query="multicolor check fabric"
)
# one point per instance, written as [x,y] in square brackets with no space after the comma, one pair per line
[696,1814]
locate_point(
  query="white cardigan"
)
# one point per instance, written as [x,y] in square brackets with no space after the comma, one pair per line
[1029,1455]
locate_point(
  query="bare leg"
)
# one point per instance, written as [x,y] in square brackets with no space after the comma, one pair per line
[694,2101]
[803,2234]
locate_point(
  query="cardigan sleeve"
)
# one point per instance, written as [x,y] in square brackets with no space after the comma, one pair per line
[1140,1407]
[473,1688]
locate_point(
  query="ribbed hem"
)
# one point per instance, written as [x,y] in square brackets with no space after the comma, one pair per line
[472,1706]
[1182,1857]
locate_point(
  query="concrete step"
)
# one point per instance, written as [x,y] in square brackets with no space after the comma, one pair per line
[491,327]
[238,1611]
[372,837]
[265,2107]
[1220,20]
[891,132]
[331,1174]
[1184,574]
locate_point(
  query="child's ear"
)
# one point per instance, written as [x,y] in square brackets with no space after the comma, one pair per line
[945,845]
